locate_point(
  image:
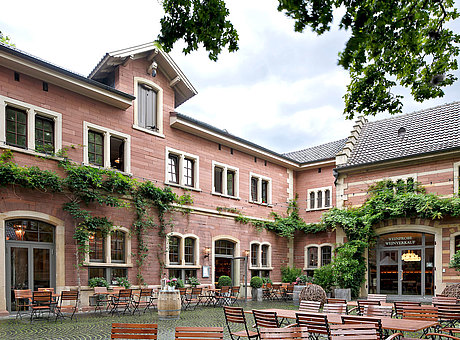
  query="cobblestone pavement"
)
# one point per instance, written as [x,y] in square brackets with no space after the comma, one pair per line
[97,326]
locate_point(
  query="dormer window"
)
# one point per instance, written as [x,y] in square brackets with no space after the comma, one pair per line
[148,107]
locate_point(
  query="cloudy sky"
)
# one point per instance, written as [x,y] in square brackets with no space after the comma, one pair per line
[282,90]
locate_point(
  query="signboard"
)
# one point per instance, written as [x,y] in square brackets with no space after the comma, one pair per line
[205,271]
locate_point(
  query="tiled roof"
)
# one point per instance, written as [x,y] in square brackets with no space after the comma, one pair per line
[317,153]
[432,130]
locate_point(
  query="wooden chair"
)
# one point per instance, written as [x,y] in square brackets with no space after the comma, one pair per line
[42,302]
[264,319]
[22,298]
[316,324]
[102,298]
[208,333]
[192,300]
[46,290]
[449,314]
[362,304]
[236,315]
[425,313]
[70,306]
[234,293]
[441,335]
[143,300]
[358,331]
[183,294]
[335,308]
[284,333]
[123,300]
[443,300]
[399,305]
[358,320]
[339,301]
[377,297]
[378,311]
[222,298]
[277,291]
[309,306]
[267,291]
[134,331]
[288,292]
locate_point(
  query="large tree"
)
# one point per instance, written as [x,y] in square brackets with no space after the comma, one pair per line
[392,42]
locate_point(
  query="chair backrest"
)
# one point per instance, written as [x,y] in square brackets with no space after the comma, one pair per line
[146,292]
[371,310]
[333,300]
[284,333]
[399,305]
[208,333]
[134,331]
[290,288]
[225,289]
[309,306]
[22,293]
[355,319]
[69,295]
[100,290]
[235,315]
[235,290]
[316,323]
[354,331]
[125,293]
[363,303]
[335,308]
[444,300]
[426,313]
[196,291]
[46,290]
[377,297]
[41,296]
[183,291]
[265,319]
[448,312]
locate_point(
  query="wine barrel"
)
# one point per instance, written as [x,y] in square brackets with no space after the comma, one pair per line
[169,305]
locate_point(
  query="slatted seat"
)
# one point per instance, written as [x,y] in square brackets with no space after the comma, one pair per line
[265,319]
[208,333]
[236,315]
[102,298]
[378,311]
[358,332]
[42,302]
[317,324]
[399,305]
[143,300]
[222,298]
[284,333]
[234,293]
[22,299]
[288,293]
[355,319]
[377,297]
[425,313]
[309,306]
[362,304]
[449,314]
[134,331]
[335,308]
[334,300]
[192,300]
[68,304]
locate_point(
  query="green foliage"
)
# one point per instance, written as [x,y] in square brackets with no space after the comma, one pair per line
[180,283]
[324,277]
[266,280]
[98,282]
[391,43]
[6,40]
[455,262]
[224,280]
[123,282]
[290,274]
[193,281]
[303,280]
[256,282]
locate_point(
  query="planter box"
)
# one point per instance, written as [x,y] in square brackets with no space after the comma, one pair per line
[256,294]
[342,293]
[296,294]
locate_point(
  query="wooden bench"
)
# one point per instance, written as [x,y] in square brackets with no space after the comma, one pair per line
[134,331]
[208,333]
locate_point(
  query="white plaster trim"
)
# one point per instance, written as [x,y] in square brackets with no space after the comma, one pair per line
[323,200]
[259,256]
[225,168]
[259,188]
[196,169]
[182,263]
[319,248]
[290,182]
[159,117]
[392,178]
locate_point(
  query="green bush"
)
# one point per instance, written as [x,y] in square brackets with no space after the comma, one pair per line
[324,277]
[224,281]
[303,280]
[98,282]
[123,282]
[193,281]
[455,262]
[256,282]
[180,283]
[289,275]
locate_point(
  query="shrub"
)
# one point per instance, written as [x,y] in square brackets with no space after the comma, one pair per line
[289,275]
[98,282]
[193,281]
[324,277]
[224,280]
[256,282]
[123,282]
[455,262]
[180,283]
[266,280]
[303,279]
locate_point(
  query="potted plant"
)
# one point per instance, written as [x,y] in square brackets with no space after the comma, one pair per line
[96,282]
[123,282]
[193,281]
[224,280]
[300,283]
[172,282]
[256,291]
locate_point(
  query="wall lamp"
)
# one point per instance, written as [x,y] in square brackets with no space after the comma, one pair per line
[246,253]
[207,252]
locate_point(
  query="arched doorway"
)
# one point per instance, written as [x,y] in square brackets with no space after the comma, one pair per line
[30,256]
[403,264]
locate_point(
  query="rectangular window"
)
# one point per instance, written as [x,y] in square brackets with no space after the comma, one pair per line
[44,134]
[326,255]
[218,173]
[254,255]
[116,273]
[254,189]
[189,165]
[173,168]
[231,183]
[16,127]
[117,152]
[265,255]
[174,243]
[313,257]
[319,198]
[96,148]
[97,247]
[183,274]
[147,107]
[264,191]
[189,250]
[118,246]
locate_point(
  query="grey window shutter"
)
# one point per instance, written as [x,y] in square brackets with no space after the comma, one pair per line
[147,110]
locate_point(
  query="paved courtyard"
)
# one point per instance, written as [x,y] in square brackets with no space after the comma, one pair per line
[97,326]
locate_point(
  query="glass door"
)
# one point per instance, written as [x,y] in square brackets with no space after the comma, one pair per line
[411,272]
[389,273]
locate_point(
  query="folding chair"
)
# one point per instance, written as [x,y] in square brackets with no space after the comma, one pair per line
[264,319]
[425,313]
[70,297]
[123,300]
[134,331]
[358,331]
[449,314]
[235,292]
[378,311]
[377,297]
[42,302]
[284,333]
[309,306]
[222,298]
[236,315]
[399,305]
[199,333]
[22,298]
[144,300]
[335,308]
[359,320]
[317,324]
[362,304]
[339,301]
[288,292]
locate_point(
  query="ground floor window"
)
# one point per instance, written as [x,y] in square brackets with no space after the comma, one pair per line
[260,273]
[110,274]
[183,274]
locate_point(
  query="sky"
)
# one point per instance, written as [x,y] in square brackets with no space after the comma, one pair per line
[282,90]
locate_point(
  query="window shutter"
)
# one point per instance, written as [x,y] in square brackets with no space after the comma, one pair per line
[147,106]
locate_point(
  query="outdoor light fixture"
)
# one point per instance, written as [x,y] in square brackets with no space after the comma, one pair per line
[117,160]
[410,256]
[246,253]
[153,69]
[19,230]
[207,251]
[91,237]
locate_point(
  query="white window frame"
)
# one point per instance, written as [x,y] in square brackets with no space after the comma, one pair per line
[259,256]
[181,156]
[108,251]
[323,201]
[182,264]
[159,91]
[259,189]
[318,250]
[107,133]
[31,111]
[225,168]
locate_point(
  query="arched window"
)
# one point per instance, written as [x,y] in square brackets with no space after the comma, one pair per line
[312,200]
[255,254]
[264,255]
[174,243]
[312,261]
[224,247]
[97,247]
[326,255]
[327,198]
[189,250]
[118,250]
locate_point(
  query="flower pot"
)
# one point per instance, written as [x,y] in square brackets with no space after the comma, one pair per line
[256,294]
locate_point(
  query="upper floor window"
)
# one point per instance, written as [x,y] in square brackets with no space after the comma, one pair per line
[255,254]
[97,247]
[174,244]
[326,255]
[148,106]
[260,255]
[261,189]
[319,198]
[118,246]
[189,250]
[16,127]
[182,168]
[106,148]
[312,260]
[44,134]
[264,253]
[225,180]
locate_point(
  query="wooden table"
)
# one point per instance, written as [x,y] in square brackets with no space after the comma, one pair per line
[404,325]
[355,304]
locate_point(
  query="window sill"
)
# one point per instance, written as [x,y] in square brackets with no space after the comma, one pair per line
[260,268]
[150,132]
[182,266]
[318,209]
[101,167]
[226,196]
[182,186]
[262,204]
[104,264]
[30,152]
[310,268]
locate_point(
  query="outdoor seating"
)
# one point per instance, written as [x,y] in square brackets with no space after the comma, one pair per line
[362,304]
[68,304]
[183,294]
[276,292]
[316,324]
[335,308]
[102,298]
[134,331]
[42,302]
[378,311]
[443,300]
[440,336]
[354,319]
[334,300]
[265,319]
[399,305]
[192,300]
[208,333]
[426,313]
[309,306]
[358,331]
[121,300]
[377,297]
[449,314]
[235,292]
[288,292]
[22,298]
[284,333]
[236,315]
[222,297]
[143,300]
[267,291]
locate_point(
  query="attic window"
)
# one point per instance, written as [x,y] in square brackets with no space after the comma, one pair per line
[401,132]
